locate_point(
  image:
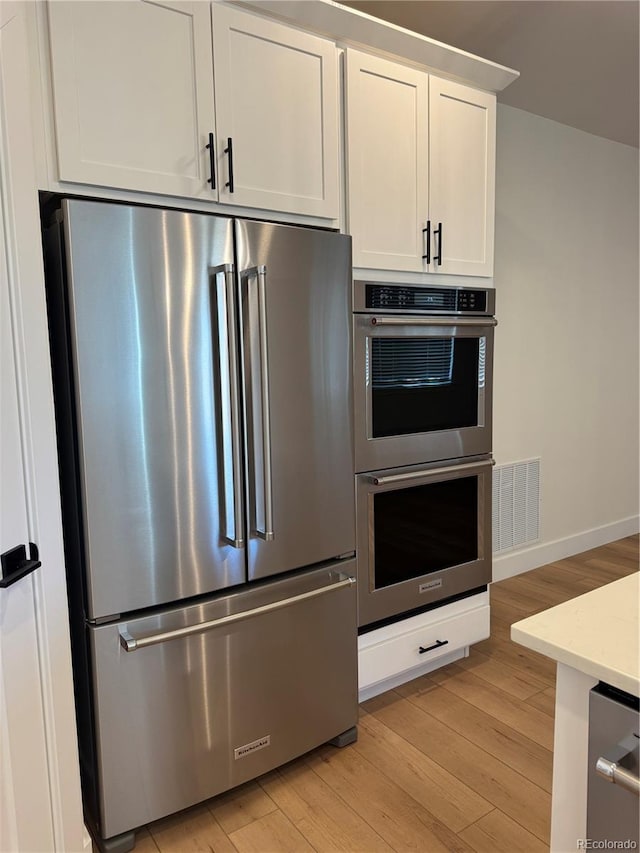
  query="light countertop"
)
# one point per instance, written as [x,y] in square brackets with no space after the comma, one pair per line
[597,633]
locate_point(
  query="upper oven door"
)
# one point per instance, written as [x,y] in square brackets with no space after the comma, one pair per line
[423,388]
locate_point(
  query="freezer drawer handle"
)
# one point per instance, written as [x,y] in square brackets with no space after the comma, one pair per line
[231,435]
[131,644]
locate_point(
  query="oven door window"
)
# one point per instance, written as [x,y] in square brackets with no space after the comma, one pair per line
[424,384]
[424,529]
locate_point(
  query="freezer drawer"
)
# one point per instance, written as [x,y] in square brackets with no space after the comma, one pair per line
[212,695]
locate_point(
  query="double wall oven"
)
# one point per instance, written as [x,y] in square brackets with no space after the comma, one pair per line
[423,361]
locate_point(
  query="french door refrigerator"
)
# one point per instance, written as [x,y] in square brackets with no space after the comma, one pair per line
[202,375]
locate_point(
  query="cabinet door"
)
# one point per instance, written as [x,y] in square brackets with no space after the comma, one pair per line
[462,135]
[387,162]
[133,93]
[277,100]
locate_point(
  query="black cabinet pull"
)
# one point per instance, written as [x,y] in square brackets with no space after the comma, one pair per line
[229,150]
[437,259]
[15,564]
[436,645]
[212,162]
[427,231]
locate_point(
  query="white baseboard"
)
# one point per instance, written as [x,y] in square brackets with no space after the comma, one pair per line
[509,565]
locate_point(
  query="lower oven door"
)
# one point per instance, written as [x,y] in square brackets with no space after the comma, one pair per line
[424,534]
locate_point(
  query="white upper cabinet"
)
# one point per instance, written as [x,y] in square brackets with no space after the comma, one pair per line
[133,94]
[462,145]
[421,170]
[387,162]
[133,89]
[277,101]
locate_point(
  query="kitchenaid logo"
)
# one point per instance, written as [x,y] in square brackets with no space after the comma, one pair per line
[426,587]
[255,745]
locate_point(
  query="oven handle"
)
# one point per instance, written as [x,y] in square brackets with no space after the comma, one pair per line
[434,321]
[425,472]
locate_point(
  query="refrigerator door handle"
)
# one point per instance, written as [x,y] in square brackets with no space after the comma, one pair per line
[265,529]
[231,435]
[131,644]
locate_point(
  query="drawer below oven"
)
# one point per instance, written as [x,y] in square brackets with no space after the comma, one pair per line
[394,652]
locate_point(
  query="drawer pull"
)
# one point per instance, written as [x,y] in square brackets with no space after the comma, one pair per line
[436,645]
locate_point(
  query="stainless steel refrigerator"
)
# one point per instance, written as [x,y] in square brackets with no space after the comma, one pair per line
[202,375]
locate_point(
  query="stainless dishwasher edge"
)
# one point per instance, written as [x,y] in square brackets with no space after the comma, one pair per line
[191,702]
[613,807]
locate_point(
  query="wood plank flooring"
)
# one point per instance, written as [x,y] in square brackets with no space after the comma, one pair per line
[458,760]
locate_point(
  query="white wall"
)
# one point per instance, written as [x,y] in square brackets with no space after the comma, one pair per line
[566,369]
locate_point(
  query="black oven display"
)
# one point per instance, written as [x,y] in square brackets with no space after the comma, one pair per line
[424,529]
[425,384]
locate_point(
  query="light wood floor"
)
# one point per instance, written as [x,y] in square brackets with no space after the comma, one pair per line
[456,760]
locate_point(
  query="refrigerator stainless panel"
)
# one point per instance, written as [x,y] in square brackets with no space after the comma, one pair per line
[147,304]
[294,296]
[187,717]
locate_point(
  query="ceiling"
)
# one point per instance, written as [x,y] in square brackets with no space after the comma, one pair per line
[578,59]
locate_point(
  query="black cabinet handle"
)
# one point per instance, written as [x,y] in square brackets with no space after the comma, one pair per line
[212,162]
[229,150]
[427,231]
[437,259]
[436,645]
[15,564]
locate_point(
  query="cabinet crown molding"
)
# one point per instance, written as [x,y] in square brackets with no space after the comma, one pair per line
[352,28]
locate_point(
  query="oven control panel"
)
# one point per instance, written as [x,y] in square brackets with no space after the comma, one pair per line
[370,296]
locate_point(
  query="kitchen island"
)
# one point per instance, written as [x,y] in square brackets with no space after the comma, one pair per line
[593,637]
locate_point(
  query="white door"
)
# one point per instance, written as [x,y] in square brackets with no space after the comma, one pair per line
[25,808]
[133,94]
[462,136]
[25,816]
[40,806]
[276,114]
[387,162]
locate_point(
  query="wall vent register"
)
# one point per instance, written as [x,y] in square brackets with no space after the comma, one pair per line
[516,505]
